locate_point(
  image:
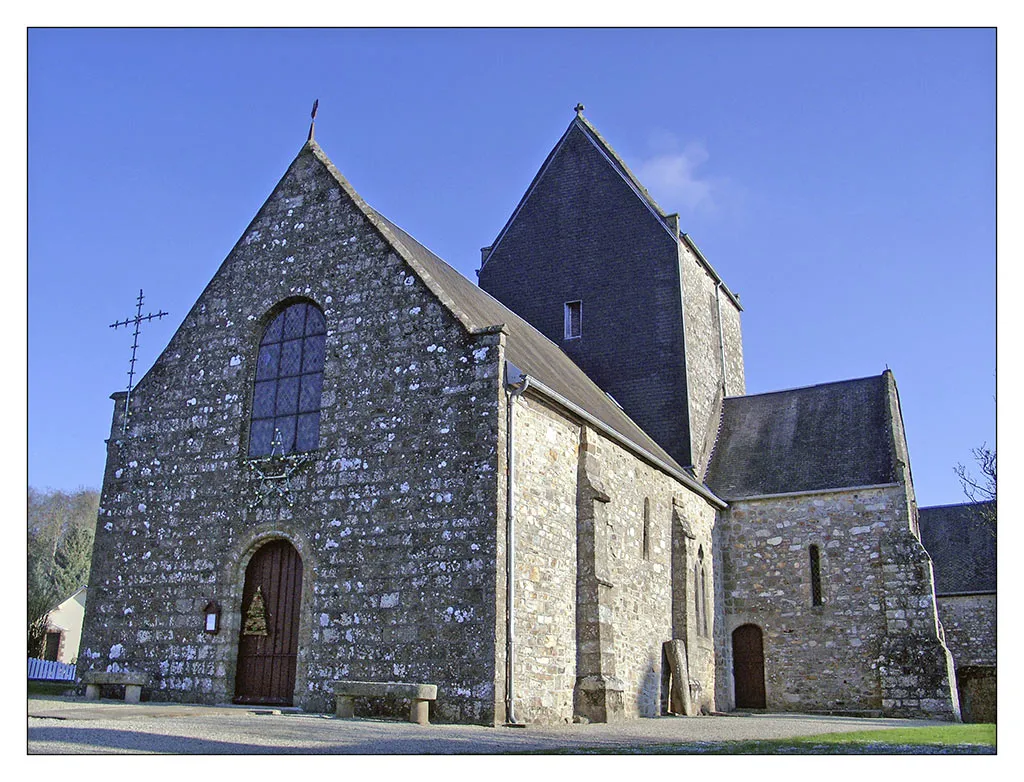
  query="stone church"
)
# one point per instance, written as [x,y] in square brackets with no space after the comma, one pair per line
[549,494]
[961,540]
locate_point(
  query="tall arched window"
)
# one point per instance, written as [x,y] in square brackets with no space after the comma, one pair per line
[703,593]
[696,596]
[704,601]
[289,379]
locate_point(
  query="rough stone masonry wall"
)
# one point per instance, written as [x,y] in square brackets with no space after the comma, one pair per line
[969,622]
[394,516]
[835,656]
[641,595]
[547,445]
[697,524]
[735,372]
[704,353]
[978,691]
[917,672]
[639,611]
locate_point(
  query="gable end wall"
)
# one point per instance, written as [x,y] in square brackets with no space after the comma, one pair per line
[394,516]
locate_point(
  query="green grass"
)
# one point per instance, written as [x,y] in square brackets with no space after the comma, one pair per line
[944,739]
[50,688]
[942,735]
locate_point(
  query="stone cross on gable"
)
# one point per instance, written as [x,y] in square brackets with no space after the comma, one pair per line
[137,320]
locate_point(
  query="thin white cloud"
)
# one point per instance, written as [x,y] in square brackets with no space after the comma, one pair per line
[672,176]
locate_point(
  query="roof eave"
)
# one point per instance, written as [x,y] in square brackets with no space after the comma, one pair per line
[689,481]
[809,492]
[976,593]
[685,237]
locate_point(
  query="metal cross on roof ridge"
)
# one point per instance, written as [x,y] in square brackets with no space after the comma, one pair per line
[137,320]
[312,118]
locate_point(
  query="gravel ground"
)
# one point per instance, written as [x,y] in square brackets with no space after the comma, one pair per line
[74,726]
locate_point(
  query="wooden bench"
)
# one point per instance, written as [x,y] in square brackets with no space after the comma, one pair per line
[419,696]
[133,683]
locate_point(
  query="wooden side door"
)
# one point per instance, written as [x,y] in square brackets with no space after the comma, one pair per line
[748,667]
[268,642]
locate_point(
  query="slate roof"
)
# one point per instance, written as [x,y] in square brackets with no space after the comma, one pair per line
[962,548]
[526,347]
[820,437]
[582,124]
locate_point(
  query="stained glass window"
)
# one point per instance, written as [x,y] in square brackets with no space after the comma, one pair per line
[289,379]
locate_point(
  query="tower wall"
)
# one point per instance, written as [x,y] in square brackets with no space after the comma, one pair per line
[583,235]
[714,353]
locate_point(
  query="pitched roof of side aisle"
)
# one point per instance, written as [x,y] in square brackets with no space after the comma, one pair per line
[962,547]
[827,436]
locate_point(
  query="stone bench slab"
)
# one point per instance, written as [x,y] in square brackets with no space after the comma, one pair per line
[419,696]
[120,677]
[133,683]
[422,692]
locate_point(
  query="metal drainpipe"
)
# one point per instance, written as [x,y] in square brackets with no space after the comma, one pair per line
[721,335]
[510,552]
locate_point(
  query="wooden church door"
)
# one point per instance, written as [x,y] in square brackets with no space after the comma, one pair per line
[748,667]
[268,642]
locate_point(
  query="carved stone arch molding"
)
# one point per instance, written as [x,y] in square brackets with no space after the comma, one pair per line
[233,578]
[274,304]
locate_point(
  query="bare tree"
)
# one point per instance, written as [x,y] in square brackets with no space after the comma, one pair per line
[980,487]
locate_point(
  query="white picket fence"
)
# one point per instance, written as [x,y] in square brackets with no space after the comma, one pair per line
[50,670]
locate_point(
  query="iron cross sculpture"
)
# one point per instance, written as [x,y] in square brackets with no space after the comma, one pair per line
[137,320]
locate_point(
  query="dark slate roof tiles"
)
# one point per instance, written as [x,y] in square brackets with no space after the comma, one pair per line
[962,548]
[820,437]
[582,125]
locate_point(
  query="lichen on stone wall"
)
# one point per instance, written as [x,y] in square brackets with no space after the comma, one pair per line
[414,540]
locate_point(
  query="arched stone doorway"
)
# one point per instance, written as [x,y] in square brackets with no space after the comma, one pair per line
[748,667]
[268,641]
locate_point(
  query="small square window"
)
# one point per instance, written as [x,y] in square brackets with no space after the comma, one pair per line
[573,319]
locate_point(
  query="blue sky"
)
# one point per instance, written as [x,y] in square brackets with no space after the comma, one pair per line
[841,181]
